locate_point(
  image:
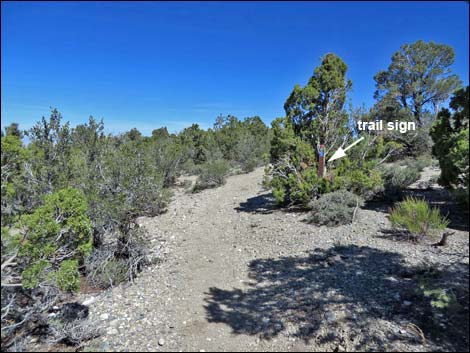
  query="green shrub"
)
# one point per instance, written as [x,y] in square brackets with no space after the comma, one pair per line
[13,156]
[418,163]
[67,278]
[419,143]
[396,179]
[249,165]
[459,158]
[416,218]
[451,141]
[34,274]
[424,161]
[335,208]
[299,188]
[363,182]
[212,174]
[55,232]
[293,173]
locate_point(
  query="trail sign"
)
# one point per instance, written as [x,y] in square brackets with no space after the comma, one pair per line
[340,152]
[321,162]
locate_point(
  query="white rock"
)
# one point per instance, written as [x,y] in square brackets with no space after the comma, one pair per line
[112,331]
[104,316]
[89,301]
[161,342]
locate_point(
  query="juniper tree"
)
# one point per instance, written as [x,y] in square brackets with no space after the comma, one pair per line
[316,111]
[417,81]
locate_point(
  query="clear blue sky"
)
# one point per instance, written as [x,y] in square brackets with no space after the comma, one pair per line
[149,64]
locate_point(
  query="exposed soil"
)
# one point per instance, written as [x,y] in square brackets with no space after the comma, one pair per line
[239,274]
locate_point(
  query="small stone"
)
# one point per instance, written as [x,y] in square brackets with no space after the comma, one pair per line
[112,331]
[104,317]
[161,342]
[330,316]
[265,320]
[351,316]
[407,303]
[89,301]
[340,348]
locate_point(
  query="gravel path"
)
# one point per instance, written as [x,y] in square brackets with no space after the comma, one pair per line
[237,274]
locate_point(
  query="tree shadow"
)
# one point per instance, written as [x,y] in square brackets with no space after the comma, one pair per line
[263,204]
[378,206]
[343,295]
[266,204]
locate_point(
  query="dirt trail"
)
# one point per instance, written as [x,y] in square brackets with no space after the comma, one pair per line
[217,235]
[239,275]
[209,257]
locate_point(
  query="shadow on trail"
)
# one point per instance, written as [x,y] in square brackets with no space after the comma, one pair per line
[263,203]
[266,204]
[338,296]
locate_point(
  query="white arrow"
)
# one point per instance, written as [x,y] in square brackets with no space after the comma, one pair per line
[340,152]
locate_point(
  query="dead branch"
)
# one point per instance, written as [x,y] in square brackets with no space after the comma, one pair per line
[443,241]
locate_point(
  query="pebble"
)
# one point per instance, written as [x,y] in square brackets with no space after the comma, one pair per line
[330,316]
[112,331]
[161,342]
[114,323]
[89,301]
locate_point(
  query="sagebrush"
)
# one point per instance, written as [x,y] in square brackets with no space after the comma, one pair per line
[336,208]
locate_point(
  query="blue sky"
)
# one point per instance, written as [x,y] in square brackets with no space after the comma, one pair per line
[153,64]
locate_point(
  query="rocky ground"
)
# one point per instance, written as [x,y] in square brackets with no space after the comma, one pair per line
[238,274]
